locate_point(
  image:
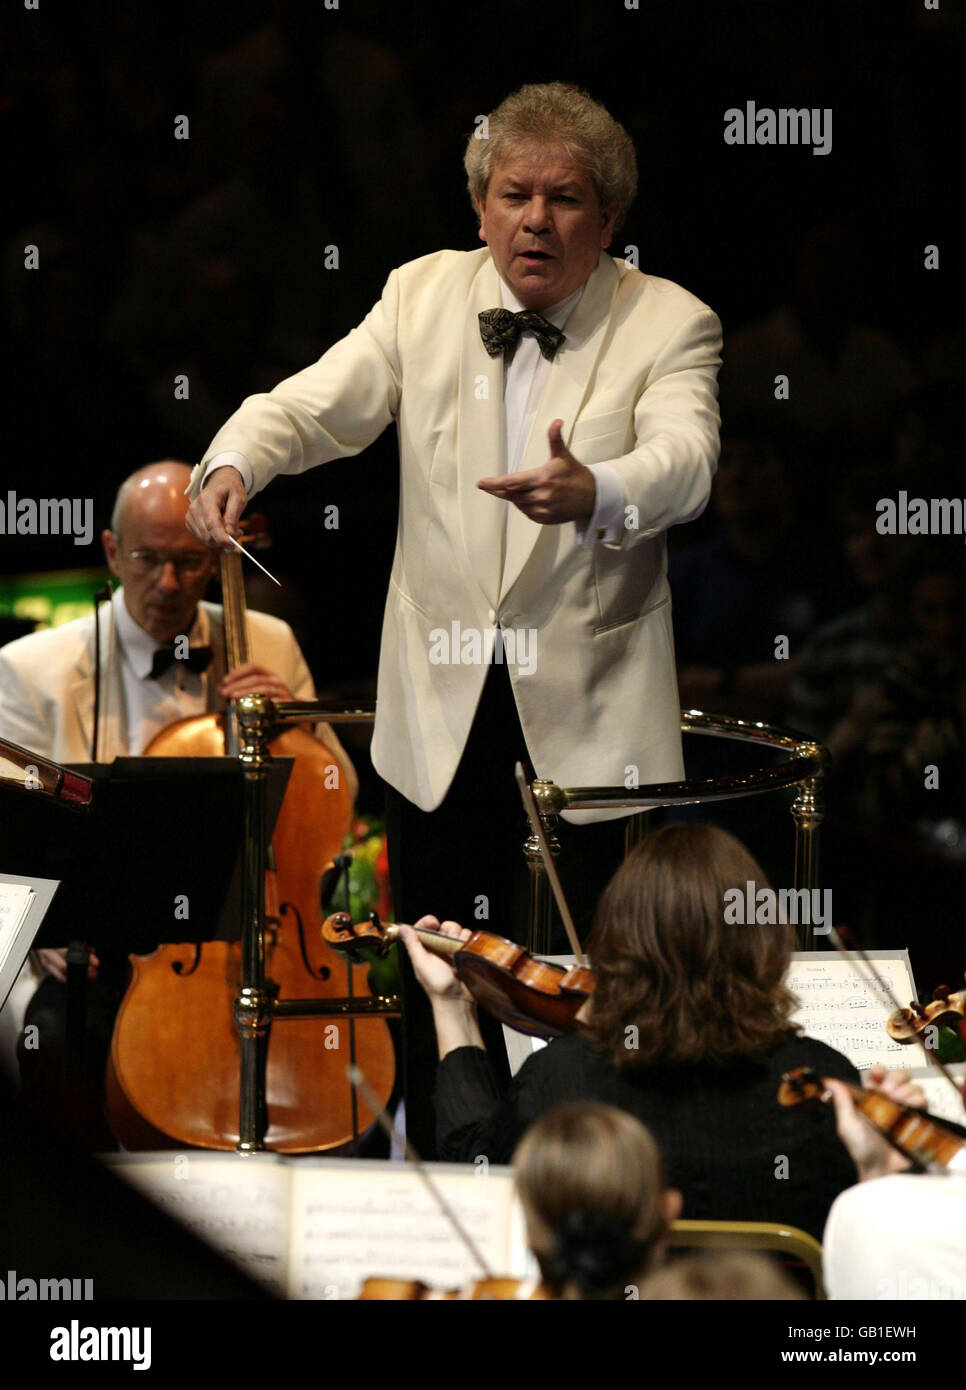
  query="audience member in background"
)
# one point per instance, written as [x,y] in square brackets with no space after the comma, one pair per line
[848,656]
[745,602]
[591,1184]
[915,720]
[757,580]
[688,1030]
[842,375]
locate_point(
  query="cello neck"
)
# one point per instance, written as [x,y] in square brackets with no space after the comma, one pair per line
[236,633]
[233,599]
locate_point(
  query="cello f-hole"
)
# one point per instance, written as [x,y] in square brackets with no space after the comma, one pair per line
[178,966]
[325,973]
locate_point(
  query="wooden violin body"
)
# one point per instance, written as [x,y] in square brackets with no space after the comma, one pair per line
[915,1134]
[530,995]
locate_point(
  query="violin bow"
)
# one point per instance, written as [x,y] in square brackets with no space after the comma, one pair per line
[358,1081]
[883,985]
[536,825]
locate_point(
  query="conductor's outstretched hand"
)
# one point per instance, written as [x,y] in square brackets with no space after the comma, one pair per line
[213,515]
[562,490]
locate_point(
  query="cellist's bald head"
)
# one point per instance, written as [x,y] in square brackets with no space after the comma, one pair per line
[163,569]
[157,490]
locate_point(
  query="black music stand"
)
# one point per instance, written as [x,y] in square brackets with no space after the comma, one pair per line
[156,835]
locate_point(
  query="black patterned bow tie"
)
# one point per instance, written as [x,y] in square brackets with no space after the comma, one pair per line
[500,330]
[198,659]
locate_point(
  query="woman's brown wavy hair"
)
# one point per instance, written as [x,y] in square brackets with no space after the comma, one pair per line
[667,965]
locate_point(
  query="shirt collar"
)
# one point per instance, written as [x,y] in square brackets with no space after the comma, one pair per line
[557,314]
[137,646]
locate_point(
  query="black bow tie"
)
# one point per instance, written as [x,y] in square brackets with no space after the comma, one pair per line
[198,659]
[500,330]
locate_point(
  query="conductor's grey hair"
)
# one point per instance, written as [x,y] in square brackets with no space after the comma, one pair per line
[549,114]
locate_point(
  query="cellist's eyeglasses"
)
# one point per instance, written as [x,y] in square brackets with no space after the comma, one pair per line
[191,563]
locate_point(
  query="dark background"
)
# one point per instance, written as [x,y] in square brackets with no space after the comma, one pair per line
[312,127]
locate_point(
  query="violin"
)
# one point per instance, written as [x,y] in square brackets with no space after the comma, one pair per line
[945,1010]
[530,995]
[413,1290]
[915,1134]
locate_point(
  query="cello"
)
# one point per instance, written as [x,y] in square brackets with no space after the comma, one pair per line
[173,1069]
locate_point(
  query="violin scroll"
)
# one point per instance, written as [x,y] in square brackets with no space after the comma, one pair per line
[945,1010]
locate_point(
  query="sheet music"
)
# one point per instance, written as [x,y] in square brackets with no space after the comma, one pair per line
[941,1099]
[373,1217]
[15,900]
[846,1009]
[238,1203]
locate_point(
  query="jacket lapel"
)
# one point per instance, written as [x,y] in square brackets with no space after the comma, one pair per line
[563,397]
[112,742]
[480,440]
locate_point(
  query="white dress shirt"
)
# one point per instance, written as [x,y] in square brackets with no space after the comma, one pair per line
[151,705]
[524,381]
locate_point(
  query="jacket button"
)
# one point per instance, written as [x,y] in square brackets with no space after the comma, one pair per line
[491,616]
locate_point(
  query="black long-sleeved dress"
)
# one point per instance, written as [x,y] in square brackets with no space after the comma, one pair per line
[727,1145]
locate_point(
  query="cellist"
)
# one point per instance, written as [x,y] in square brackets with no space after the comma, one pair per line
[47,704]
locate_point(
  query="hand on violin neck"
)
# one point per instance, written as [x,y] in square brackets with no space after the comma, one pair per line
[898,1085]
[435,973]
[873,1156]
[454,1010]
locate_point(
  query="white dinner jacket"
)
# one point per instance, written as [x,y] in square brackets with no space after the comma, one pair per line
[635,383]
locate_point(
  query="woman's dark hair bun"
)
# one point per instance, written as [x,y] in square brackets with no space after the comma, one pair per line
[593,1251]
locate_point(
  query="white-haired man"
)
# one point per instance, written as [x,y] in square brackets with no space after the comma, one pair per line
[540,373]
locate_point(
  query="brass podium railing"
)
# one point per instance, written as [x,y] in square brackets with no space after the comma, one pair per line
[256,1004]
[804,768]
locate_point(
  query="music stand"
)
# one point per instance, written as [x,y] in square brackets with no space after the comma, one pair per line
[129,856]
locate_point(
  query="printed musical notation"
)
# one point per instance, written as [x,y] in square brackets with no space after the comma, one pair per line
[343,1233]
[314,1229]
[848,1011]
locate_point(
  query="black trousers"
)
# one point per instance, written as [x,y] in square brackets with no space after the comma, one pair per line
[465,861]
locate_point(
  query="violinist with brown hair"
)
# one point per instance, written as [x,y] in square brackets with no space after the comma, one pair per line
[688,1030]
